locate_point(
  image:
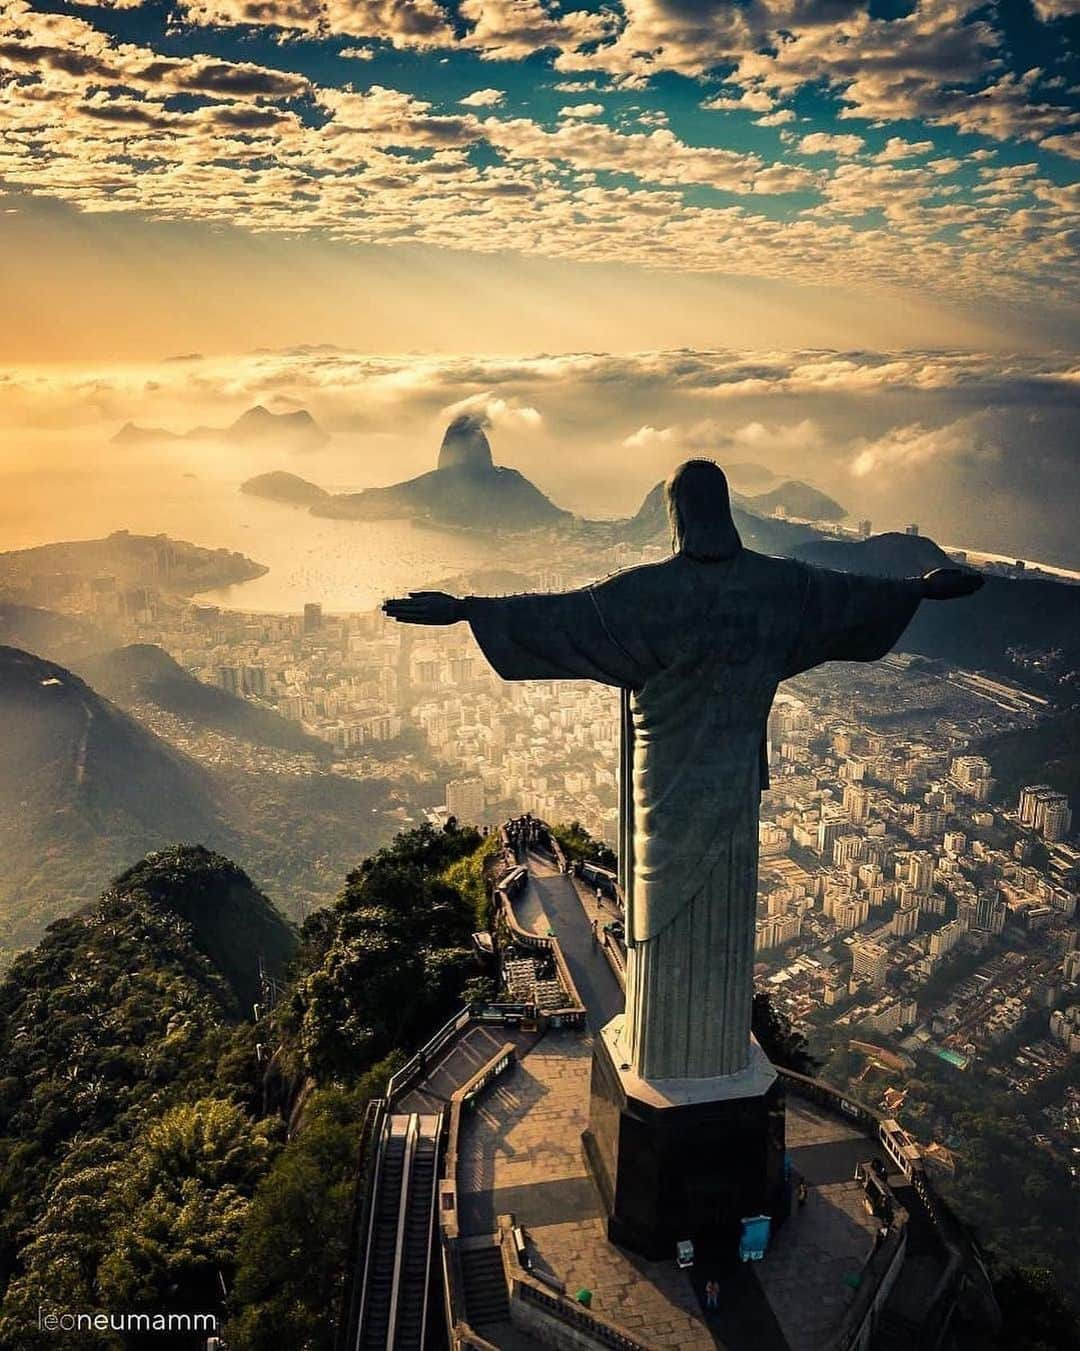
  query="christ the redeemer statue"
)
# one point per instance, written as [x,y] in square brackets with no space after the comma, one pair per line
[698,644]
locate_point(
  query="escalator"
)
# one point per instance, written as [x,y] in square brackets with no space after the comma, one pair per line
[397,1258]
[415,1257]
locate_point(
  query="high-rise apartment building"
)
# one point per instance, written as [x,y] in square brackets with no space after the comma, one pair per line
[871,960]
[465,800]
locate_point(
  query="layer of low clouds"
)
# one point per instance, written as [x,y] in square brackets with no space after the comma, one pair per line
[978,448]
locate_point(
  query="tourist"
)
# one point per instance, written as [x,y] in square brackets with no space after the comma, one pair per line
[801,1192]
[712,1293]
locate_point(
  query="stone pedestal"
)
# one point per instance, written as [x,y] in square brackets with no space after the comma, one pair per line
[684,1158]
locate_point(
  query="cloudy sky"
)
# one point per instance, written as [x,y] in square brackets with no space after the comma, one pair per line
[850,224]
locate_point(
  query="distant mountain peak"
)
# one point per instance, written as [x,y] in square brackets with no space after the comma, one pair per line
[297,430]
[298,425]
[795,498]
[465,444]
[131,434]
[259,413]
[466,490]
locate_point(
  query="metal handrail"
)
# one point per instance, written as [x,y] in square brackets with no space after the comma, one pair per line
[432,1212]
[403,1215]
[373,1193]
[461,1335]
[362,1208]
[431,1047]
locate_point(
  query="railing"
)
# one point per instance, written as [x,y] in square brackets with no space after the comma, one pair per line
[413,1068]
[462,1337]
[940,1307]
[496,1066]
[556,852]
[404,1202]
[573,1014]
[906,1155]
[527,1290]
[901,1147]
[573,1315]
[616,958]
[817,1090]
[875,1282]
[363,1199]
[424,1059]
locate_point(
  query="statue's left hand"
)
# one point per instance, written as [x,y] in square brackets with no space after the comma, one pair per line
[951,583]
[425,607]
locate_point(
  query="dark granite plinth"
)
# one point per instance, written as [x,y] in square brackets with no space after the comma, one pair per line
[684,1159]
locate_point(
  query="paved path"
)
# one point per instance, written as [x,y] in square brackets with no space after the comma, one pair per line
[521,1153]
[810,1258]
[551,902]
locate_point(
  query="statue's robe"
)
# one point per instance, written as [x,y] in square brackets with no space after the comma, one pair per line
[698,649]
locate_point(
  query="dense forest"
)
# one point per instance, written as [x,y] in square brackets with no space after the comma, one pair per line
[159,1149]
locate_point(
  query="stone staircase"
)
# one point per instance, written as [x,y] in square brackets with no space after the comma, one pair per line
[486,1298]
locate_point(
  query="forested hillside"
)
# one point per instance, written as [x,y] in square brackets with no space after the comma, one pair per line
[85,787]
[146,1160]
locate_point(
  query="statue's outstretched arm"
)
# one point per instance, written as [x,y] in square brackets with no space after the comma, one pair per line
[951,583]
[425,607]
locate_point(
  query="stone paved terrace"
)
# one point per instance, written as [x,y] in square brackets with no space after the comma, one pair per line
[829,1239]
[521,1153]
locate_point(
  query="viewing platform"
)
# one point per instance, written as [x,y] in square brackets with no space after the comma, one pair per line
[867,1261]
[521,1155]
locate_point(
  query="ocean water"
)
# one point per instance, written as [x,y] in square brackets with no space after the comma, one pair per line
[60,491]
[345,565]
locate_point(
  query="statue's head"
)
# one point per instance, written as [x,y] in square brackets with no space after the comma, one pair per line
[699,508]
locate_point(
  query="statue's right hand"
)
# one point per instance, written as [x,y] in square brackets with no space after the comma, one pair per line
[425,607]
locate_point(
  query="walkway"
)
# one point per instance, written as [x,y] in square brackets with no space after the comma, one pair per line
[811,1258]
[551,903]
[520,1153]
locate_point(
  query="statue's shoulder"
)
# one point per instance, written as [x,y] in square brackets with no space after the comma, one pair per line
[775,563]
[771,578]
[775,566]
[640,575]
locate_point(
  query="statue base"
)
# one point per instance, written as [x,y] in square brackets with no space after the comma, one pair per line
[684,1158]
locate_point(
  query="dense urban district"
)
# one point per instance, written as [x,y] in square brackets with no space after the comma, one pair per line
[917,903]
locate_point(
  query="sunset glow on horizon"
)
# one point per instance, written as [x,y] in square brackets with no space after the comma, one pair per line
[656,224]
